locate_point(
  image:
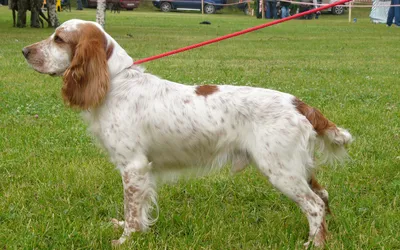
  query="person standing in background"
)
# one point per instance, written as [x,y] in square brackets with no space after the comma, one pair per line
[79,5]
[271,12]
[394,12]
[285,10]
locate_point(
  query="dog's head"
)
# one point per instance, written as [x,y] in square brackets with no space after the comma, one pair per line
[85,55]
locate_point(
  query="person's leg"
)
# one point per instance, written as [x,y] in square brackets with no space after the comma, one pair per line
[397,12]
[390,16]
[268,10]
[21,18]
[284,11]
[79,3]
[274,10]
[34,14]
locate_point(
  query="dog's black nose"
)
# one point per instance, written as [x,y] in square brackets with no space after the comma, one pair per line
[26,52]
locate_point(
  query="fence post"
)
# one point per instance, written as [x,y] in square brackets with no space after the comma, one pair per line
[262,9]
[350,5]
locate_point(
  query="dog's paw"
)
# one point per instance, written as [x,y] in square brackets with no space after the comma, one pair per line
[117,243]
[314,244]
[117,224]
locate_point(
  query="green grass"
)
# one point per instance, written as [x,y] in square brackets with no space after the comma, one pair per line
[59,191]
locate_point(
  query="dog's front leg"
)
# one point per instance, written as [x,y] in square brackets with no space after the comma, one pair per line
[139,195]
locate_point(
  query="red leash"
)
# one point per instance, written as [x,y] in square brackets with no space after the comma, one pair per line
[240,32]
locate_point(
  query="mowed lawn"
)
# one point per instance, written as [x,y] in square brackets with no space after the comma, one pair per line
[59,191]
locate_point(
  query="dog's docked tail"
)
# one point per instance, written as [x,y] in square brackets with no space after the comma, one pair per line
[331,139]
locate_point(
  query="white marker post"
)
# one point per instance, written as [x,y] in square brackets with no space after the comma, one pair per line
[262,9]
[350,5]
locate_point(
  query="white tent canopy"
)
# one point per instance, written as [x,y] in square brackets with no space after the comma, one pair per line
[379,11]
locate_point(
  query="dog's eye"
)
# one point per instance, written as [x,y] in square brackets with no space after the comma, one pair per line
[58,39]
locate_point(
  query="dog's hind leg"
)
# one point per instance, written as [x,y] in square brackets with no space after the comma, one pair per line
[295,187]
[139,197]
[287,161]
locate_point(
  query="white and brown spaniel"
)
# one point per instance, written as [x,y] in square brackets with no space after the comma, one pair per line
[153,128]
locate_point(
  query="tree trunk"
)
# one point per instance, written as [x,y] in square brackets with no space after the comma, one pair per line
[101,13]
[52,13]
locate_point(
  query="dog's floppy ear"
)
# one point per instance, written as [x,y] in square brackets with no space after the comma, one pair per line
[87,80]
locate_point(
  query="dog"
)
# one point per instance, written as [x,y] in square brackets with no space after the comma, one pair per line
[154,128]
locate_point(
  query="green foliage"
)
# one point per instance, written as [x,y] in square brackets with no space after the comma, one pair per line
[59,191]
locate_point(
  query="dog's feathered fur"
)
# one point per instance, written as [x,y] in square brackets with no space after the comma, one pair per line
[153,127]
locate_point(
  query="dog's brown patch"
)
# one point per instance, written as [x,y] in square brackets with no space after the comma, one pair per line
[323,232]
[316,118]
[206,90]
[317,188]
[314,184]
[86,81]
